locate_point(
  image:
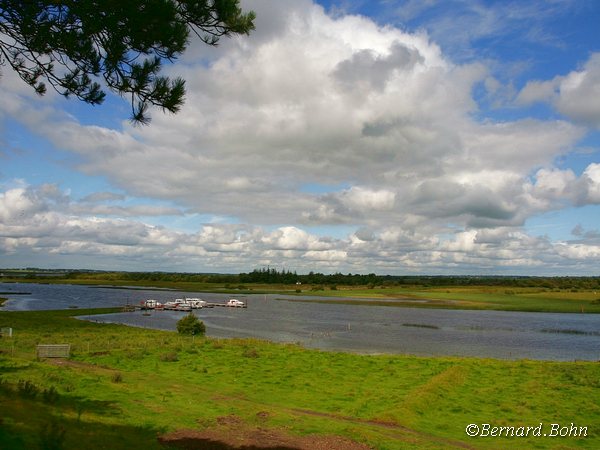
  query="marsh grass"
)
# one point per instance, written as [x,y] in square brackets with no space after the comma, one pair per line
[467,297]
[303,391]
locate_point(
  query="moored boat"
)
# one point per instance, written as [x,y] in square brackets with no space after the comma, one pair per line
[235,303]
[150,304]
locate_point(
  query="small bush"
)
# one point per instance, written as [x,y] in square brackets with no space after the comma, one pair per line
[27,389]
[50,395]
[251,353]
[4,386]
[52,436]
[117,377]
[191,326]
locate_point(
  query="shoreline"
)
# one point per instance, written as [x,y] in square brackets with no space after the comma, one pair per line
[475,298]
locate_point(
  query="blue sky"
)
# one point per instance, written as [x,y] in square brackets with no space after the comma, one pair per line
[433,137]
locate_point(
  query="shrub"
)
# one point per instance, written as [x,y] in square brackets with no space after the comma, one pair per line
[250,353]
[191,325]
[50,395]
[27,389]
[52,436]
[117,377]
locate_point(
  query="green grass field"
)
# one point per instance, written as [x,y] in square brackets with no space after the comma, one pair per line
[124,386]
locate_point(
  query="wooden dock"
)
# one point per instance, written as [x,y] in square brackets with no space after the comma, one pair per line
[132,308]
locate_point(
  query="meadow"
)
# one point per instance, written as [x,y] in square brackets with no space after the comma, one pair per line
[126,387]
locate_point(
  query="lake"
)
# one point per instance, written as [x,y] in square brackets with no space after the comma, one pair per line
[356,328]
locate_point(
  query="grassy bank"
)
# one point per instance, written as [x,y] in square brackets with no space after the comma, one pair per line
[126,385]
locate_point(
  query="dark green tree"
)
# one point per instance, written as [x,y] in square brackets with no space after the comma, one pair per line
[77,46]
[191,325]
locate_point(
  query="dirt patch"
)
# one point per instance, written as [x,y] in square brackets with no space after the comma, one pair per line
[263,415]
[230,421]
[80,365]
[232,434]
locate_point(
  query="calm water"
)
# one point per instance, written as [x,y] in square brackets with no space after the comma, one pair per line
[368,329]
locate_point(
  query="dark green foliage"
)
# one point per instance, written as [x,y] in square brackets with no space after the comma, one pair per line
[116,377]
[191,325]
[52,436]
[50,395]
[77,45]
[27,389]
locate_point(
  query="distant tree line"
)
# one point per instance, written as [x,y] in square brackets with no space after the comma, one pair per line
[271,275]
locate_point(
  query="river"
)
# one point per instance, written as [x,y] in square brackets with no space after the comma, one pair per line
[356,328]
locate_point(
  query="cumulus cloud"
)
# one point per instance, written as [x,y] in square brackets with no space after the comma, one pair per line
[591,177]
[326,100]
[574,95]
[33,226]
[554,188]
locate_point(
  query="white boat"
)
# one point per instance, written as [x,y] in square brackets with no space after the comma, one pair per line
[196,303]
[235,303]
[184,304]
[150,304]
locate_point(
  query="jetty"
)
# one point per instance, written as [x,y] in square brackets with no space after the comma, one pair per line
[184,305]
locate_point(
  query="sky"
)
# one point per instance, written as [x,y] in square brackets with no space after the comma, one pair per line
[354,136]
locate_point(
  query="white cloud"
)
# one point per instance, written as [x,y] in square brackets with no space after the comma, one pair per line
[538,91]
[363,199]
[591,175]
[574,95]
[380,114]
[81,240]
